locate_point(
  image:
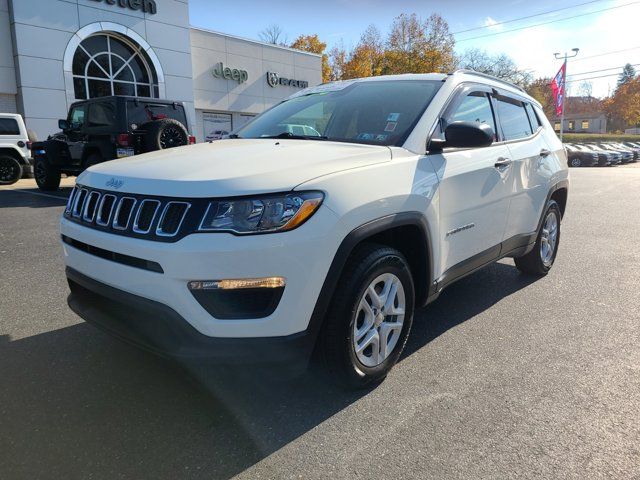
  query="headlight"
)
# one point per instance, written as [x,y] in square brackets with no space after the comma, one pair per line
[261,214]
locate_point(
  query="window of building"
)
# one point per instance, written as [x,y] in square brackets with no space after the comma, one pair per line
[9,126]
[513,119]
[571,125]
[556,126]
[106,64]
[585,124]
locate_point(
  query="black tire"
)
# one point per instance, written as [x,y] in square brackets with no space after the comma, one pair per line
[92,159]
[336,337]
[532,263]
[165,133]
[575,162]
[10,170]
[46,175]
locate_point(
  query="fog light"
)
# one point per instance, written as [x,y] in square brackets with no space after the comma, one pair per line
[234,284]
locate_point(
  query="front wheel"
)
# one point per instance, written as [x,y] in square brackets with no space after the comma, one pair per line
[10,170]
[540,260]
[47,177]
[370,317]
[576,162]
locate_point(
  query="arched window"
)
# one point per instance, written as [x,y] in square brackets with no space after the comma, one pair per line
[106,64]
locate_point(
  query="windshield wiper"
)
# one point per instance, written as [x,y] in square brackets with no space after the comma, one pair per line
[297,137]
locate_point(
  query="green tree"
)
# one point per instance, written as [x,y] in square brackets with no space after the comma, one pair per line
[628,73]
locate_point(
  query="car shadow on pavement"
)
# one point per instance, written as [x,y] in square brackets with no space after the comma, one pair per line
[33,198]
[75,403]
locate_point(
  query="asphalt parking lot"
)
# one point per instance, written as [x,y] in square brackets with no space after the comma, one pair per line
[504,376]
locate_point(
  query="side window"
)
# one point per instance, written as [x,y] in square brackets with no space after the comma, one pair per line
[533,118]
[475,107]
[142,112]
[76,116]
[9,126]
[513,119]
[102,114]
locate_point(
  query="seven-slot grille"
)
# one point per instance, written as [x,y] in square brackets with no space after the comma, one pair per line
[126,214]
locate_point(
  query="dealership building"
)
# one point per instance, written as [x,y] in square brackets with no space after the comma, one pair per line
[56,52]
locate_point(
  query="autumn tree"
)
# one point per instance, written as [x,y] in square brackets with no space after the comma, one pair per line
[367,58]
[540,89]
[624,105]
[273,34]
[416,46]
[312,43]
[500,65]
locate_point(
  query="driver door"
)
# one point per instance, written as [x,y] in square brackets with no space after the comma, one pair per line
[76,136]
[474,190]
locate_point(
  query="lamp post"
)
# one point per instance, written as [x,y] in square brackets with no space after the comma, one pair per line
[564,83]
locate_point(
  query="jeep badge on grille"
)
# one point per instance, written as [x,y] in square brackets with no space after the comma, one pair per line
[114,183]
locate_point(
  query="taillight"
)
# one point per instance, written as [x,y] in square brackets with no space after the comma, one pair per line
[192,140]
[124,140]
[29,145]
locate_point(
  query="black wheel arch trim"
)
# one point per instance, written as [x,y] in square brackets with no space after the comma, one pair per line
[351,241]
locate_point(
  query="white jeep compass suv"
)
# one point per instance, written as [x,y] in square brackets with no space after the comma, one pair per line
[272,245]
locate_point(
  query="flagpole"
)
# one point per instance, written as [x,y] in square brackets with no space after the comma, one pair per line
[563,91]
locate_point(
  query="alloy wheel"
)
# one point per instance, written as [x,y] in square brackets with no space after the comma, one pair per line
[549,238]
[379,320]
[171,137]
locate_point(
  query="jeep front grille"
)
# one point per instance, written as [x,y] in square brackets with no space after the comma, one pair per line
[157,218]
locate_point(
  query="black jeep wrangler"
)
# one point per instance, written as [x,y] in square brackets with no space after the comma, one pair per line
[106,128]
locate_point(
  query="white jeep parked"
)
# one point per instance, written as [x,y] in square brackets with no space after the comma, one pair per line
[273,246]
[15,154]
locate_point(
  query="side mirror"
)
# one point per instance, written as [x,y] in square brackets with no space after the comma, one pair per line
[63,125]
[469,135]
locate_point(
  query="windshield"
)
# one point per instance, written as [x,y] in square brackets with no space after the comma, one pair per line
[377,113]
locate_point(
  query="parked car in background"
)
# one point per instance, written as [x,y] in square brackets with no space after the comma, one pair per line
[627,155]
[605,158]
[279,246]
[15,153]
[622,146]
[216,135]
[106,128]
[632,144]
[580,158]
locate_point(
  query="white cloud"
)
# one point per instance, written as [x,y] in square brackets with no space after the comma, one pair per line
[492,24]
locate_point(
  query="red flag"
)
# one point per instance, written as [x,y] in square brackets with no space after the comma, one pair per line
[558,88]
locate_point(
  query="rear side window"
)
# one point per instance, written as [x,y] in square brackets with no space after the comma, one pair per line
[144,112]
[102,114]
[9,126]
[533,118]
[513,119]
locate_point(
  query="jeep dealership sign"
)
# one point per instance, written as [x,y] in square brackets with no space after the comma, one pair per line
[147,6]
[273,79]
[220,71]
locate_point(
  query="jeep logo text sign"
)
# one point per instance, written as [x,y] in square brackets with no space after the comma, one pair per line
[220,71]
[147,6]
[114,183]
[273,80]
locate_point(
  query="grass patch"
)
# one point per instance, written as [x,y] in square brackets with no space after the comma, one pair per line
[599,137]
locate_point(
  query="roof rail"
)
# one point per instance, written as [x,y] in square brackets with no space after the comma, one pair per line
[490,77]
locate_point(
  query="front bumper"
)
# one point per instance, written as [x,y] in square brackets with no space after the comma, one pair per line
[156,327]
[301,256]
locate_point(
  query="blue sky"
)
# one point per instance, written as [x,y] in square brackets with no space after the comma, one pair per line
[533,48]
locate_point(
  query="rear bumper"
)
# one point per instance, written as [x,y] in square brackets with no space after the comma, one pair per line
[156,327]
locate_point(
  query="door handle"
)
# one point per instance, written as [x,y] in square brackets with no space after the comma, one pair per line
[544,152]
[503,162]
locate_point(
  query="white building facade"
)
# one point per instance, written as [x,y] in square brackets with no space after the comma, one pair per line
[55,52]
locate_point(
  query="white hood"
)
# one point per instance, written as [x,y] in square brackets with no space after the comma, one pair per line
[231,167]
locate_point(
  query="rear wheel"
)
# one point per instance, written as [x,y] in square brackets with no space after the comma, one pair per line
[576,162]
[370,317]
[47,177]
[10,170]
[540,260]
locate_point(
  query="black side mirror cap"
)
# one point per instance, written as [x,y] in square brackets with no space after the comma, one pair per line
[63,124]
[468,135]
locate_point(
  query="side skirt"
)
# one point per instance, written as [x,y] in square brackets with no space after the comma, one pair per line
[512,247]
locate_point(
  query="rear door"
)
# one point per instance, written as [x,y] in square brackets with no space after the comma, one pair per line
[473,191]
[530,172]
